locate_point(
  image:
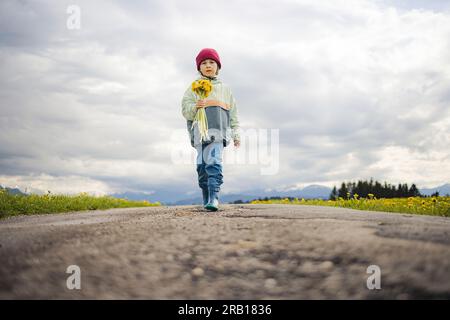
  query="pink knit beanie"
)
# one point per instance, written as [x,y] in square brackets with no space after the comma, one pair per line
[207,53]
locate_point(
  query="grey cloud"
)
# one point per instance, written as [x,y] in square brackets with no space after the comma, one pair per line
[275,59]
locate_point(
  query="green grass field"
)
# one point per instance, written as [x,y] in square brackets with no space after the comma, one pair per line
[11,205]
[434,206]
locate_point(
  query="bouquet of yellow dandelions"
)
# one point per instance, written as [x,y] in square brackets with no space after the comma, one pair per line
[202,88]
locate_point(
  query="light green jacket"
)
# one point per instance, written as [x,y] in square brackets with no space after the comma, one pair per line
[221,92]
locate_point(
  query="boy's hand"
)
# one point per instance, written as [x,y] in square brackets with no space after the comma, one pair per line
[237,143]
[201,103]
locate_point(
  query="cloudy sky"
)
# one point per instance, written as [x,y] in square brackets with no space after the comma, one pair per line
[349,89]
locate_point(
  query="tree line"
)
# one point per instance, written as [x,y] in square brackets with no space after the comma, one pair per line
[363,188]
[375,188]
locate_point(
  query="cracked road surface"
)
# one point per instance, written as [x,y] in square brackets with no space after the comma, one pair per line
[239,252]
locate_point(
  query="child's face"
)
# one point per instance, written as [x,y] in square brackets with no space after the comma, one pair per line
[208,67]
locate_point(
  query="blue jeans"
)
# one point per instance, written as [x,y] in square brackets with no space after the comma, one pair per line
[209,166]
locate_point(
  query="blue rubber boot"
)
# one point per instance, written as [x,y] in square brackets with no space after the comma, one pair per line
[205,194]
[213,204]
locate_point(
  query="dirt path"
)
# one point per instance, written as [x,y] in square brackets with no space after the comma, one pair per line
[240,252]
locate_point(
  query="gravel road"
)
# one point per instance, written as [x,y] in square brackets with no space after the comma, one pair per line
[239,252]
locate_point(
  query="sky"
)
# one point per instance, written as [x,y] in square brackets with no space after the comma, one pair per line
[333,90]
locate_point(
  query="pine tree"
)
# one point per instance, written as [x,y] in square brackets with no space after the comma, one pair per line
[343,191]
[413,191]
[334,194]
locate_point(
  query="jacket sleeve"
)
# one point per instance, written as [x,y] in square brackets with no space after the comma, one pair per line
[234,122]
[188,104]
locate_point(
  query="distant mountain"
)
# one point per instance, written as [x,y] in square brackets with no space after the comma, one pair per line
[443,190]
[13,191]
[315,191]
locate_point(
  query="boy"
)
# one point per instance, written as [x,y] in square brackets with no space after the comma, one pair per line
[223,126]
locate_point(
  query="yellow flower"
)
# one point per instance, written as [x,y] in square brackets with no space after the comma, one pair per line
[195,86]
[202,88]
